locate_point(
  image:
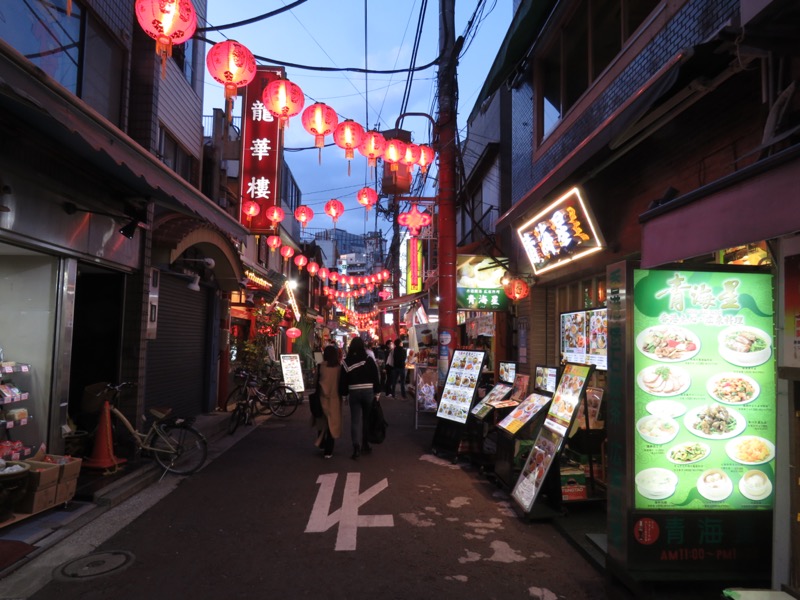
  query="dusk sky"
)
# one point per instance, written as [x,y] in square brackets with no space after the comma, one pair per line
[326,33]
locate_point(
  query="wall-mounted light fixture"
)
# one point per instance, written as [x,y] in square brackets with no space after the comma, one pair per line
[128,230]
[194,285]
[209,262]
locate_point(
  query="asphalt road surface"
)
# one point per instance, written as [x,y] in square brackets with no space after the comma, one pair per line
[271,518]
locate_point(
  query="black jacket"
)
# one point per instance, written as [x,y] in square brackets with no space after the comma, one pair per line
[358,375]
[399,357]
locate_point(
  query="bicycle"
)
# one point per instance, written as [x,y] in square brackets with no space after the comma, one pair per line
[247,398]
[176,445]
[282,400]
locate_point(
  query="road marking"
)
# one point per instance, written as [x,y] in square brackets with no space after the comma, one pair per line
[322,519]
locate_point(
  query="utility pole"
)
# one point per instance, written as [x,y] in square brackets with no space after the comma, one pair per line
[446,126]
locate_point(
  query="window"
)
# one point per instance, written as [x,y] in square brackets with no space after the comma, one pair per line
[175,157]
[183,55]
[75,50]
[588,40]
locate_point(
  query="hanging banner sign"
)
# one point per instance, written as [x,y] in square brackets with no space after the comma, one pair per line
[562,232]
[478,285]
[261,149]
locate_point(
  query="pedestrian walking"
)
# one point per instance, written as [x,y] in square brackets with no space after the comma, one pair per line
[398,373]
[360,382]
[389,363]
[330,424]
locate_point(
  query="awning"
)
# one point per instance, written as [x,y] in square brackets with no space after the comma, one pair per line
[265,282]
[42,105]
[399,301]
[759,202]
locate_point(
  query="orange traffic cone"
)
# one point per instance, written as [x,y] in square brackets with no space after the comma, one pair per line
[103,451]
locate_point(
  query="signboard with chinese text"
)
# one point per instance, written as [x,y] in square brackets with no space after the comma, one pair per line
[261,150]
[704,393]
[416,266]
[562,232]
[478,285]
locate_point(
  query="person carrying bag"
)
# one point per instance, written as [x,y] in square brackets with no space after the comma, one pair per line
[360,382]
[329,422]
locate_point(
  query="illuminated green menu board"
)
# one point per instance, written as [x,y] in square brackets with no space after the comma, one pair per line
[704,362]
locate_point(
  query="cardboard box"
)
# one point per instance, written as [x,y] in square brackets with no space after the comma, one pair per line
[42,475]
[37,500]
[69,467]
[65,490]
[573,484]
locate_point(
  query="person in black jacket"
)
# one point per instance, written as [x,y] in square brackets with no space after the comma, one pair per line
[398,372]
[360,381]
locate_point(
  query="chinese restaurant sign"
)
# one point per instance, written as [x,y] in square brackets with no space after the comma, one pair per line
[261,149]
[704,392]
[562,232]
[416,267]
[478,285]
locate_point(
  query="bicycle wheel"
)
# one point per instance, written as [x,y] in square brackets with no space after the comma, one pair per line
[261,400]
[283,400]
[237,395]
[237,416]
[180,449]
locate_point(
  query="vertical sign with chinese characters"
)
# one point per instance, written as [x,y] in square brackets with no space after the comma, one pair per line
[261,150]
[704,398]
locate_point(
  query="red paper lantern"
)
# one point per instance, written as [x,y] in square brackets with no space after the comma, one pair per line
[293,333]
[287,252]
[274,242]
[385,274]
[251,209]
[233,65]
[300,261]
[275,215]
[411,156]
[426,156]
[283,99]
[394,152]
[168,22]
[372,146]
[312,268]
[367,197]
[333,276]
[319,120]
[517,289]
[304,214]
[334,209]
[323,273]
[348,136]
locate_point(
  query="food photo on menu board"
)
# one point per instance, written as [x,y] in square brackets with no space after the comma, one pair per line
[529,484]
[546,379]
[567,397]
[520,390]
[292,372]
[524,413]
[494,399]
[460,385]
[704,394]
[584,337]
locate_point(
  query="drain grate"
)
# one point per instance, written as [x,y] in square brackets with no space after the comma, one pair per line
[92,566]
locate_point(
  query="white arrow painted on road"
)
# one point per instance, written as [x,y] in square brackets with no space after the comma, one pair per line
[347,516]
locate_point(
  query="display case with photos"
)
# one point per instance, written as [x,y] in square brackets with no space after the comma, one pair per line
[583,337]
[545,379]
[507,371]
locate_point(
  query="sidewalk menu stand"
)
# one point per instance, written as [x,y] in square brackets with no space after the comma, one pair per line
[481,424]
[458,395]
[550,440]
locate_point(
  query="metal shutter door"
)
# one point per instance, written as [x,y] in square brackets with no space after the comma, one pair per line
[176,359]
